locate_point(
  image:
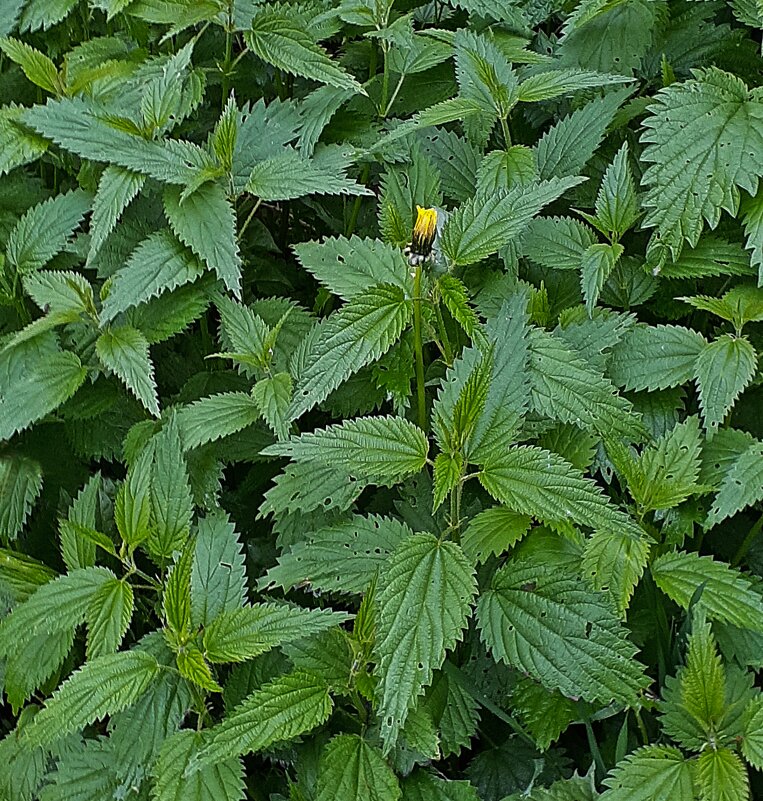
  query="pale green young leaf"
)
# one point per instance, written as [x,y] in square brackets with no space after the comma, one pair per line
[103,686]
[20,486]
[703,145]
[217,416]
[655,357]
[124,351]
[752,737]
[565,636]
[176,599]
[375,447]
[597,263]
[568,146]
[741,486]
[493,531]
[37,67]
[703,680]
[273,395]
[21,576]
[424,599]
[223,781]
[484,225]
[721,776]
[241,634]
[243,331]
[359,333]
[45,229]
[740,305]
[563,387]
[171,501]
[290,175]
[218,577]
[347,267]
[108,617]
[281,37]
[722,370]
[286,707]
[116,190]
[58,605]
[651,773]
[159,264]
[557,243]
[206,223]
[353,770]
[555,83]
[532,481]
[193,667]
[726,594]
[456,299]
[448,469]
[48,380]
[363,544]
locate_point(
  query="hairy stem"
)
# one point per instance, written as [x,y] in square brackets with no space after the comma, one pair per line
[421,401]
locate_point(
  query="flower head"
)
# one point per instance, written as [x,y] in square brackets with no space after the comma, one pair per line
[424,232]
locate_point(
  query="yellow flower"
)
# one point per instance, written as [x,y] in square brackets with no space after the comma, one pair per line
[424,232]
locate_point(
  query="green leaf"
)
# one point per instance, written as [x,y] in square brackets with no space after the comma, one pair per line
[176,599]
[655,357]
[423,786]
[703,680]
[108,617]
[554,83]
[424,598]
[193,666]
[494,531]
[536,482]
[18,144]
[721,776]
[223,781]
[353,770]
[124,351]
[652,773]
[37,67]
[752,737]
[116,190]
[485,224]
[171,501]
[568,146]
[9,14]
[362,545]
[103,686]
[753,229]
[286,707]
[374,447]
[712,119]
[45,229]
[217,416]
[241,634]
[282,38]
[563,387]
[273,396]
[597,263]
[47,382]
[448,469]
[132,508]
[723,369]
[359,333]
[347,267]
[20,486]
[206,223]
[290,175]
[726,594]
[741,486]
[567,637]
[616,204]
[60,291]
[558,243]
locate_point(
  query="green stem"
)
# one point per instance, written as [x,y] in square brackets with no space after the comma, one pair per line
[594,746]
[455,511]
[747,542]
[419,347]
[355,210]
[249,219]
[394,95]
[441,330]
[385,81]
[506,133]
[227,61]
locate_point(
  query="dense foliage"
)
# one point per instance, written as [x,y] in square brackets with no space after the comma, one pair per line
[288,511]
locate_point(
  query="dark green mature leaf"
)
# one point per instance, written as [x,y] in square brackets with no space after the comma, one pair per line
[352,769]
[741,486]
[103,686]
[567,637]
[20,485]
[124,351]
[424,600]
[217,416]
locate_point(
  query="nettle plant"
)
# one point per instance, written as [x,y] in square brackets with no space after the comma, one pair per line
[379,419]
